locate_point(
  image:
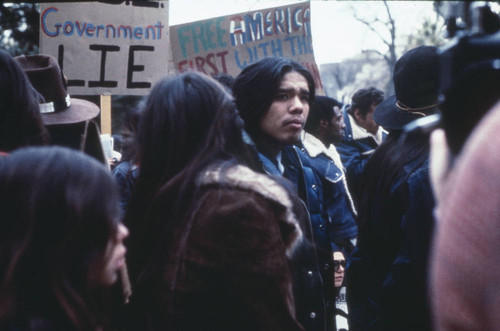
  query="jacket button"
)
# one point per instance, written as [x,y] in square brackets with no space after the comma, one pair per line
[326,266]
[309,273]
[312,315]
[314,187]
[322,227]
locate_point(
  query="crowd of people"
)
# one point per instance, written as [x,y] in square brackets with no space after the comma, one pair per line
[246,203]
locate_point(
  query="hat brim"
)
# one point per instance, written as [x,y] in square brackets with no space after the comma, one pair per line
[79,111]
[390,117]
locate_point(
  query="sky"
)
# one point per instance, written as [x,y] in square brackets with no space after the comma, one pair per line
[336,34]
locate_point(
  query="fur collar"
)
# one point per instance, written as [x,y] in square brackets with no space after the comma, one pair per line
[242,177]
[315,147]
[359,132]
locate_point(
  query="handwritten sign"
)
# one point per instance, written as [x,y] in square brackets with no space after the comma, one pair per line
[228,44]
[104,48]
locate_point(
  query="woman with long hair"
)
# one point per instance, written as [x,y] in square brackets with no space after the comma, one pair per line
[212,235]
[20,120]
[61,240]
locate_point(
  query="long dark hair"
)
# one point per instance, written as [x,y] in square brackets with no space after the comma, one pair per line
[188,123]
[385,167]
[20,120]
[59,211]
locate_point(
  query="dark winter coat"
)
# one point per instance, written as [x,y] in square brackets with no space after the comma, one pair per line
[234,270]
[387,274]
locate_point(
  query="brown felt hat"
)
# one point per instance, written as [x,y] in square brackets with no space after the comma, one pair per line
[47,78]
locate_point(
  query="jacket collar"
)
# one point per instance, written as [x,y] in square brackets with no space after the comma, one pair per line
[359,132]
[242,177]
[315,147]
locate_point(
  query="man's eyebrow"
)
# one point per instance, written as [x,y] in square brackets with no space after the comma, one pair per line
[285,89]
[291,89]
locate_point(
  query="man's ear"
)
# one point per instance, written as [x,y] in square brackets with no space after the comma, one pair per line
[357,114]
[323,123]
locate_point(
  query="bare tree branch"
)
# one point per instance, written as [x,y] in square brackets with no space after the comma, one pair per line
[369,26]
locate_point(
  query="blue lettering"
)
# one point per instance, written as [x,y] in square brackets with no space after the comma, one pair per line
[71,30]
[79,29]
[276,47]
[138,33]
[183,39]
[89,31]
[254,27]
[44,25]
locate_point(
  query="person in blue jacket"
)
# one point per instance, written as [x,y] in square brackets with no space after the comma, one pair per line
[387,273]
[324,127]
[362,134]
[337,229]
[273,96]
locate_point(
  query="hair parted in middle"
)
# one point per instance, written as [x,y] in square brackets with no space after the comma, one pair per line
[256,86]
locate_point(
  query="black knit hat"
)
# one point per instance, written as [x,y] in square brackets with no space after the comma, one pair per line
[416,84]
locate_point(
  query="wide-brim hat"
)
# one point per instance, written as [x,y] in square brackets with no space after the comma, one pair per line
[48,80]
[416,86]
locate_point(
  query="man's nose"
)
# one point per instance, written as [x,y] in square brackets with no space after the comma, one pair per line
[122,232]
[297,106]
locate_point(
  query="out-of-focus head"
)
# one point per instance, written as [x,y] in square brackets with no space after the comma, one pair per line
[273,97]
[363,104]
[416,85]
[339,264]
[61,233]
[325,120]
[20,121]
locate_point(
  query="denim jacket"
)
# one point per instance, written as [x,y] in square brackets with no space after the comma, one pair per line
[355,149]
[387,273]
[338,207]
[308,286]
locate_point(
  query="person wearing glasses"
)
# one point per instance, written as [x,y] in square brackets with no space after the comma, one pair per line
[340,317]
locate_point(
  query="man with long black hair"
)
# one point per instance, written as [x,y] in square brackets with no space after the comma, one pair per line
[274,96]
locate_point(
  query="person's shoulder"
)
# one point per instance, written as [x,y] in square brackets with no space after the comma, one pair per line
[122,168]
[238,190]
[242,178]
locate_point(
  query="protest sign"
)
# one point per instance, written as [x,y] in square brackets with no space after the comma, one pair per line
[107,48]
[228,44]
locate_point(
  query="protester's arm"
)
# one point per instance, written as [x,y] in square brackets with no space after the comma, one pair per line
[354,162]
